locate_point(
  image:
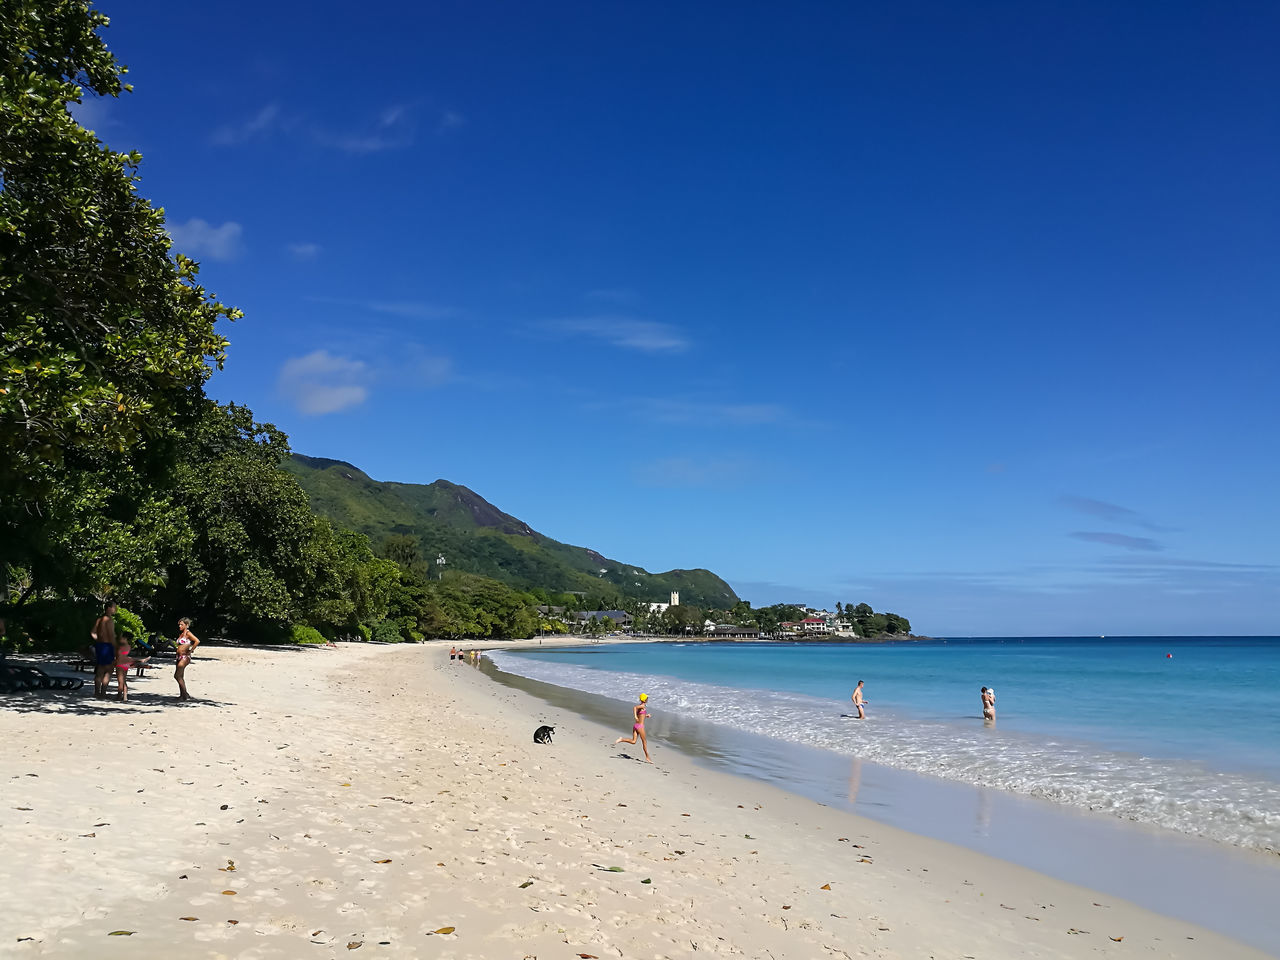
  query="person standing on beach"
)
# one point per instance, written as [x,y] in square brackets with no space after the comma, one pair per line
[988,704]
[124,663]
[858,701]
[104,648]
[186,644]
[639,712]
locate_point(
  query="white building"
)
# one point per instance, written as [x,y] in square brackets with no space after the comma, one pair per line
[663,607]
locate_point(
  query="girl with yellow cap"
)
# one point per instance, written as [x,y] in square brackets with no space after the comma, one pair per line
[637,728]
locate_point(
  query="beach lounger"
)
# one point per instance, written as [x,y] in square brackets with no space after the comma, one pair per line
[17,677]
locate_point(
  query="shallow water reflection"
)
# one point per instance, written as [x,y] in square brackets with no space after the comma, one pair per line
[1220,887]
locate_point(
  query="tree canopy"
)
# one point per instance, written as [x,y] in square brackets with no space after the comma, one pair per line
[120,477]
[105,339]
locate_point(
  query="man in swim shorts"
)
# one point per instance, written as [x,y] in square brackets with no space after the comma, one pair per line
[858,701]
[104,648]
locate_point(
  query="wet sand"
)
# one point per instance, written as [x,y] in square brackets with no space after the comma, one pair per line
[1227,889]
[390,801]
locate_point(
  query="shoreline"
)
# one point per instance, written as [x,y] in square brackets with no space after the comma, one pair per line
[1217,885]
[388,798]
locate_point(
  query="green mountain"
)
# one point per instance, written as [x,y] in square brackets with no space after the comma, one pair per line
[477,537]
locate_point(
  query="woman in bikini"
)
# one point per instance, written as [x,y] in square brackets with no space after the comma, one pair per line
[639,712]
[186,644]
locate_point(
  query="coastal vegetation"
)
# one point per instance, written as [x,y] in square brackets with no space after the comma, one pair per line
[447,519]
[121,478]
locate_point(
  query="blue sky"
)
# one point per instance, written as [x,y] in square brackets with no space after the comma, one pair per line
[963,310]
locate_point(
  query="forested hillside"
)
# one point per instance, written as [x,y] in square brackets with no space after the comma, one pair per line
[476,537]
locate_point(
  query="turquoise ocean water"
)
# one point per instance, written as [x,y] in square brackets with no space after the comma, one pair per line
[1189,741]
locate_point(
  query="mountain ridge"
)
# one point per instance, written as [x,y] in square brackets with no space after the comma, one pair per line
[475,536]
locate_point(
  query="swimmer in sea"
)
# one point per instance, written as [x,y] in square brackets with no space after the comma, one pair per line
[639,712]
[988,704]
[186,644]
[858,701]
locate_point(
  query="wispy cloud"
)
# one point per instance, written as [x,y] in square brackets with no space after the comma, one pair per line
[1197,565]
[712,471]
[94,113]
[1125,593]
[693,410]
[611,295]
[762,593]
[264,122]
[392,129]
[415,309]
[626,332]
[200,239]
[426,369]
[303,251]
[1118,540]
[1107,511]
[669,410]
[321,382]
[450,120]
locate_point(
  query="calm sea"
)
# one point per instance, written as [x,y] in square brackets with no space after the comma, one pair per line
[1178,732]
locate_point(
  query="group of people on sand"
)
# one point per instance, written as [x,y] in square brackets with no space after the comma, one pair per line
[111,653]
[467,656]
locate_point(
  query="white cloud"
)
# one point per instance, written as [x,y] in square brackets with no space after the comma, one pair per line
[391,128]
[416,309]
[611,294]
[394,128]
[93,113]
[390,116]
[264,121]
[707,471]
[432,370]
[645,335]
[200,239]
[667,410]
[321,383]
[303,251]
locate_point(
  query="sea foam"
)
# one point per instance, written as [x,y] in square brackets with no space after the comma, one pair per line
[1180,795]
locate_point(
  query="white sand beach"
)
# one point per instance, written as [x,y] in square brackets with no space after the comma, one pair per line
[315,802]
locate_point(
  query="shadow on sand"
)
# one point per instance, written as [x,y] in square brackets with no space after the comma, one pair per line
[83,702]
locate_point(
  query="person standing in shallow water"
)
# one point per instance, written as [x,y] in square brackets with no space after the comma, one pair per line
[858,702]
[186,644]
[988,704]
[639,712]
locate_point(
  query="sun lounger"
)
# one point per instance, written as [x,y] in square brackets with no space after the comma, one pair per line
[15,677]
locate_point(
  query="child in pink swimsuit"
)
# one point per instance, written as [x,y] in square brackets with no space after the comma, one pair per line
[639,712]
[124,663]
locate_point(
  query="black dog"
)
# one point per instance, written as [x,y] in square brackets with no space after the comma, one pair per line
[543,734]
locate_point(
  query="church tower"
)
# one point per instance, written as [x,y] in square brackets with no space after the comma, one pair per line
[675,598]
